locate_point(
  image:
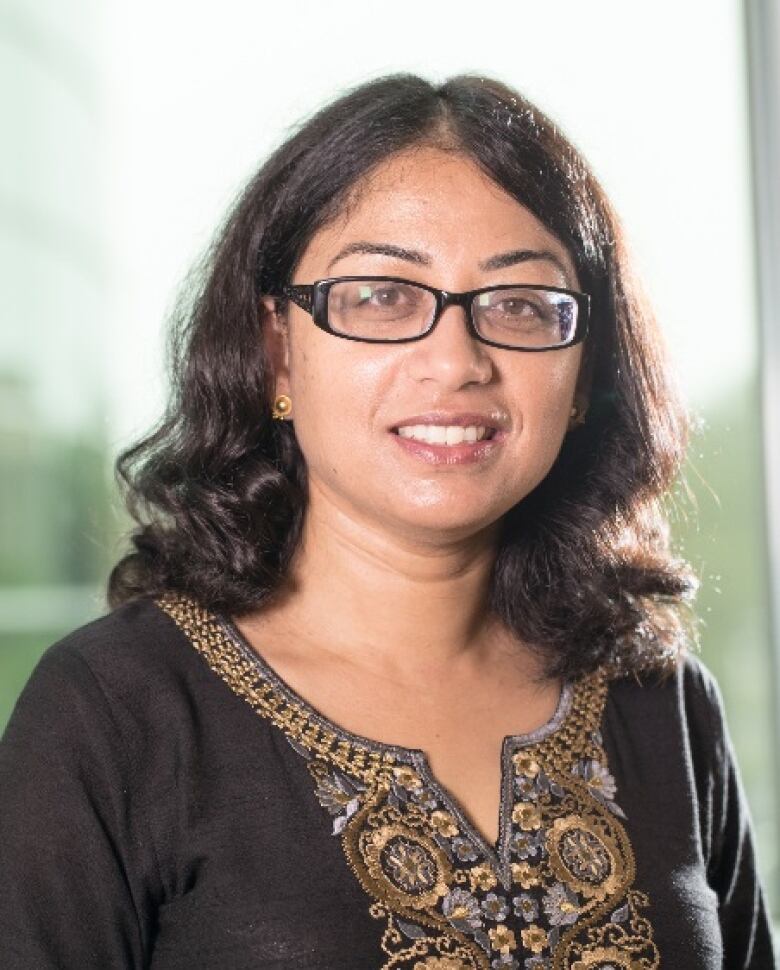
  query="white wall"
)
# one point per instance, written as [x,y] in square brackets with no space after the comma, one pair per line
[197,93]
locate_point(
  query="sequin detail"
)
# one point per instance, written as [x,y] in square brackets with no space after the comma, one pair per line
[560,893]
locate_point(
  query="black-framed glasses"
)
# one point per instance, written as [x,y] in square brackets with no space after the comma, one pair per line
[388,309]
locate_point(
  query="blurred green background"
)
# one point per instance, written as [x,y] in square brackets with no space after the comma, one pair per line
[124,144]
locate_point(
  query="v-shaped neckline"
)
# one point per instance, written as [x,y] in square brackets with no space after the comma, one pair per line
[495,852]
[563,858]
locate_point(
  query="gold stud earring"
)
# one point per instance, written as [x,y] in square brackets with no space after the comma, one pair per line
[576,416]
[282,407]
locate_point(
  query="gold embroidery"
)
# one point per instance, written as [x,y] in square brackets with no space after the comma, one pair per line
[584,856]
[562,896]
[397,861]
[439,952]
[204,631]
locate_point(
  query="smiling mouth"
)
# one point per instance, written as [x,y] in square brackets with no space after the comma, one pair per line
[436,434]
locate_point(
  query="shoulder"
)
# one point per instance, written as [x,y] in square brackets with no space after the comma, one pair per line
[127,659]
[685,701]
[137,636]
[689,677]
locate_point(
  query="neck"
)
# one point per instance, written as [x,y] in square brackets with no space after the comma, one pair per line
[386,601]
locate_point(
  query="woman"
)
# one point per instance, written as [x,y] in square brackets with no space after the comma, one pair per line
[396,673]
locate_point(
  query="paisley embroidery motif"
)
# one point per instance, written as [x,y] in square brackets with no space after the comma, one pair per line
[557,894]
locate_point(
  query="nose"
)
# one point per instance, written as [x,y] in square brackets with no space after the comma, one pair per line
[450,354]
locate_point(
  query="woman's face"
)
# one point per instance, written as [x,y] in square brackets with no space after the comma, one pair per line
[447,220]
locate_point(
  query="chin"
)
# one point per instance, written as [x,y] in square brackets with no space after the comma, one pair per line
[442,521]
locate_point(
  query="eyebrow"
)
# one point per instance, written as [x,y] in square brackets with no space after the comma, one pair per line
[500,261]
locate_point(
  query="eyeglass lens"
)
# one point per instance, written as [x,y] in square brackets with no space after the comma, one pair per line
[390,310]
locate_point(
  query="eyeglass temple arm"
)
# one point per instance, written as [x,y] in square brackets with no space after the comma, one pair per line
[300,295]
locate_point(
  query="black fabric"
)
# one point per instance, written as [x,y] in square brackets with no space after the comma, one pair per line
[150,819]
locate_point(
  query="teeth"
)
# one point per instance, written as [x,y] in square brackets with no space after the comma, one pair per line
[437,434]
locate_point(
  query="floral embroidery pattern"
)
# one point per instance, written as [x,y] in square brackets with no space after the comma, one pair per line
[559,893]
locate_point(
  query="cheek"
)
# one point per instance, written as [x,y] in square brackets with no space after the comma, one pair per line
[545,396]
[334,392]
[553,404]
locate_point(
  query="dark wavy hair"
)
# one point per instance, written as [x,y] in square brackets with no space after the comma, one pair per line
[584,568]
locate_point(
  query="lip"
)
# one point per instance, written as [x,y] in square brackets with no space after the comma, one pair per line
[466,453]
[494,420]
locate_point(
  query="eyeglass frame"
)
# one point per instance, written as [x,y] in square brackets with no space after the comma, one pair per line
[313,298]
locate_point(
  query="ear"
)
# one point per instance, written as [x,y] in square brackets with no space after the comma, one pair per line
[584,384]
[276,342]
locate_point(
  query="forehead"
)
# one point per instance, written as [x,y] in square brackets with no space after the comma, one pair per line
[435,201]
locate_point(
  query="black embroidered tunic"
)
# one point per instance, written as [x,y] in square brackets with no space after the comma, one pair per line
[167,801]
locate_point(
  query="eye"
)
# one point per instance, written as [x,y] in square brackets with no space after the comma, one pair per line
[379,308]
[387,295]
[513,306]
[378,299]
[516,307]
